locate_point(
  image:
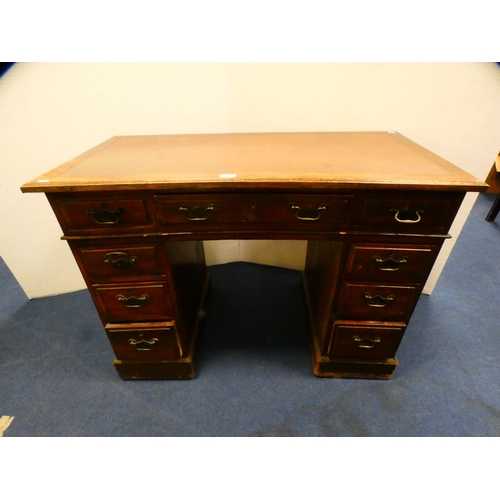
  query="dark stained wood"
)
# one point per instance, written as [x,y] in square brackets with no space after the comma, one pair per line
[167,369]
[493,212]
[189,281]
[118,213]
[375,209]
[399,212]
[144,342]
[116,262]
[322,274]
[407,263]
[377,301]
[133,302]
[365,340]
[254,212]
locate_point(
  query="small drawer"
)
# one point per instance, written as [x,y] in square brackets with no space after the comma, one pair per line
[203,210]
[145,341]
[102,213]
[134,302]
[120,263]
[378,262]
[303,209]
[410,213]
[365,340]
[376,302]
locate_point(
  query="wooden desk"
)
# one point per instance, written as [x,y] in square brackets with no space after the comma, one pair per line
[374,207]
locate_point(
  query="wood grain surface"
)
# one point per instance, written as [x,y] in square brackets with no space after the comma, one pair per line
[240,161]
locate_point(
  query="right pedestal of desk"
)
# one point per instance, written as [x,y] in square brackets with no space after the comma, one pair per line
[362,286]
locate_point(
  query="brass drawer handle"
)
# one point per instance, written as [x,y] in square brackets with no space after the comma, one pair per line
[307,212]
[120,260]
[389,264]
[198,213]
[406,215]
[143,345]
[105,216]
[377,300]
[366,343]
[133,301]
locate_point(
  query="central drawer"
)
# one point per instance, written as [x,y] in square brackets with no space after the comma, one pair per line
[199,212]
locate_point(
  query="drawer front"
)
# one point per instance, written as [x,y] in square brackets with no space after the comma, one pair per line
[368,340]
[203,210]
[380,262]
[134,302]
[376,302]
[145,341]
[252,211]
[304,209]
[120,263]
[408,213]
[101,213]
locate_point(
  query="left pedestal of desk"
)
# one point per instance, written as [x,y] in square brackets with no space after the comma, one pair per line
[149,291]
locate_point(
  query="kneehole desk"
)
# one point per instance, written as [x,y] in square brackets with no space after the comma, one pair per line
[374,207]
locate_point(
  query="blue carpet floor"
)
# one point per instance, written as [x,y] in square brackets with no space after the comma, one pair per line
[254,374]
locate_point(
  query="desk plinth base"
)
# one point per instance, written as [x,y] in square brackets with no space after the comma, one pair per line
[326,367]
[178,369]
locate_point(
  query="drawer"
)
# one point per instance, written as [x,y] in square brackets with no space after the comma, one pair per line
[376,302]
[411,213]
[134,302]
[145,341]
[380,262]
[206,211]
[101,213]
[120,263]
[304,209]
[365,340]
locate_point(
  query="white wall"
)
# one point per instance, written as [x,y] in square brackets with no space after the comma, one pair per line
[51,112]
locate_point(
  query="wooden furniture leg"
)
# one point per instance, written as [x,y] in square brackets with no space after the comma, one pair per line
[495,208]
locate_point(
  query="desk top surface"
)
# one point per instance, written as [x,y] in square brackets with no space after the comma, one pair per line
[340,160]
